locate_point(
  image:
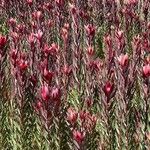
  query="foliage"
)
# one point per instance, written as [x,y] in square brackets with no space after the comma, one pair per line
[74,75]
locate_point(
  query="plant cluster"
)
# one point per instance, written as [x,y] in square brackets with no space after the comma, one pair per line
[75,74]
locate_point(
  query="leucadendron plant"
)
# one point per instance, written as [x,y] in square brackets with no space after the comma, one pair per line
[75,75]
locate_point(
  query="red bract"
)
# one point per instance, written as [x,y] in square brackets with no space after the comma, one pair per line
[13,54]
[20,28]
[108,88]
[78,136]
[55,94]
[119,34]
[147,60]
[123,60]
[90,51]
[29,2]
[46,49]
[45,93]
[22,64]
[72,115]
[31,39]
[47,75]
[53,50]
[2,41]
[12,22]
[146,70]
[60,2]
[39,105]
[39,35]
[90,30]
[66,26]
[108,40]
[37,15]
[33,24]
[64,34]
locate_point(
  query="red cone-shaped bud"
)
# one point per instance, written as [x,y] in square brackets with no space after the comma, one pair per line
[108,40]
[31,39]
[123,60]
[37,15]
[12,22]
[64,34]
[22,64]
[2,41]
[39,35]
[119,34]
[45,93]
[72,115]
[29,2]
[78,136]
[53,50]
[60,2]
[39,105]
[108,88]
[33,24]
[146,70]
[90,51]
[47,75]
[90,30]
[55,94]
[20,28]
[13,54]
[46,49]
[147,59]
[66,26]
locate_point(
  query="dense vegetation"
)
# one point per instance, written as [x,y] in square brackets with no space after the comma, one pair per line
[74,74]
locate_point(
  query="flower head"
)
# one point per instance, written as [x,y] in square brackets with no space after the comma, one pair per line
[123,60]
[45,92]
[108,88]
[78,136]
[146,70]
[2,41]
[72,115]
